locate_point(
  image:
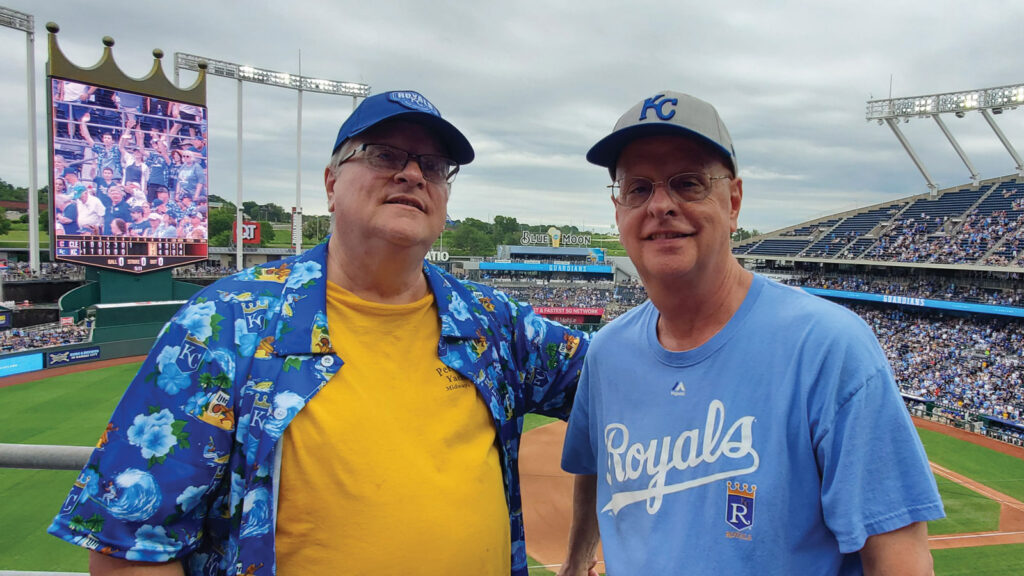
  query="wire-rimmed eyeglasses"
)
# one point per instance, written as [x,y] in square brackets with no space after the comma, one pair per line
[385,158]
[635,191]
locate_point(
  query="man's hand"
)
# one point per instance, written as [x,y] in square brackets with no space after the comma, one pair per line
[567,570]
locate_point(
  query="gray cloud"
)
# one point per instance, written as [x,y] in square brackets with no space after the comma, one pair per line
[533,84]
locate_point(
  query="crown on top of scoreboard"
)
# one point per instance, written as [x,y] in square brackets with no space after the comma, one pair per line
[106,72]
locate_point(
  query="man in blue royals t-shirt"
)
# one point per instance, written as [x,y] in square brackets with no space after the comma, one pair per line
[731,425]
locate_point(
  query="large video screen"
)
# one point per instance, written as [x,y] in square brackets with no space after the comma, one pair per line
[129,180]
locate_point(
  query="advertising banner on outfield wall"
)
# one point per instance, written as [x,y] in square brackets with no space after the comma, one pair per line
[21,364]
[65,357]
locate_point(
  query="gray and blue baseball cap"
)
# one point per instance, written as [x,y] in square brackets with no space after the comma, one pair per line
[665,113]
[409,106]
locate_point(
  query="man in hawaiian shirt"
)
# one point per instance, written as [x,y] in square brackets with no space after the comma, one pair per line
[353,409]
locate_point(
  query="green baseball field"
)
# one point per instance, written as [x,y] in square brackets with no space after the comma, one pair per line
[72,409]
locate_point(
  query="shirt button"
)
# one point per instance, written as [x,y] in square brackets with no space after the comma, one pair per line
[327,361]
[280,414]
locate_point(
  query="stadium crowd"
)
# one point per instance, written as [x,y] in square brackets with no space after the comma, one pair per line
[1011,252]
[968,365]
[203,270]
[22,272]
[942,240]
[507,276]
[615,299]
[931,288]
[18,339]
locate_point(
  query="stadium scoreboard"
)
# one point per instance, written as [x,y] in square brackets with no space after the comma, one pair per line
[130,254]
[128,167]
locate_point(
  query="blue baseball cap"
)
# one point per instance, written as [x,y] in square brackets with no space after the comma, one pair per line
[665,113]
[409,106]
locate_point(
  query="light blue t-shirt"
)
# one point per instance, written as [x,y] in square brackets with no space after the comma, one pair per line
[777,447]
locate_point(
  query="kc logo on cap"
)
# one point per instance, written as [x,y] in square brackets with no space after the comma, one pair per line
[658,105]
[413,101]
[666,113]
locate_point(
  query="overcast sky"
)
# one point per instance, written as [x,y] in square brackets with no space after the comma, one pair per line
[533,84]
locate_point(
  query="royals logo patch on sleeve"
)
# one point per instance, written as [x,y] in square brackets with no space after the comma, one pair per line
[739,508]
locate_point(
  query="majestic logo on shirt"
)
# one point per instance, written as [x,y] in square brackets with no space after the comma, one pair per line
[739,505]
[679,389]
[695,452]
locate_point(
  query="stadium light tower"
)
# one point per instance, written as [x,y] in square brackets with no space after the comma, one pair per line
[987,101]
[243,73]
[26,23]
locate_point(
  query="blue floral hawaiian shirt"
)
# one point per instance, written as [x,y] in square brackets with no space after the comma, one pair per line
[186,466]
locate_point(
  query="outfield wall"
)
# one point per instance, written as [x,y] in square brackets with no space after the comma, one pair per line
[79,353]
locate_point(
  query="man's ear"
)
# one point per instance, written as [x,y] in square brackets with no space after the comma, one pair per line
[735,200]
[329,179]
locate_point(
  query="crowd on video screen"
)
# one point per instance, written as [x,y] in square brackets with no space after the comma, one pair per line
[128,165]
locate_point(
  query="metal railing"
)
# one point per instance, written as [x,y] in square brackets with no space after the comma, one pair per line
[43,457]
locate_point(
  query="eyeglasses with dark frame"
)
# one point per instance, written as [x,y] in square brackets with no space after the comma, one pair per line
[385,158]
[635,191]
